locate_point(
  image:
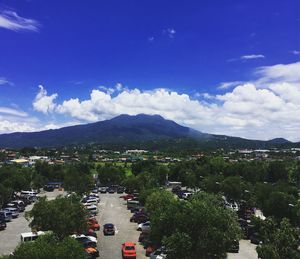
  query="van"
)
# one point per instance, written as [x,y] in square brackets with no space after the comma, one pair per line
[31,236]
[131,204]
[14,212]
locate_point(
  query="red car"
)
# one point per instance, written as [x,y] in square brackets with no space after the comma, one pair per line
[128,250]
[128,196]
[93,224]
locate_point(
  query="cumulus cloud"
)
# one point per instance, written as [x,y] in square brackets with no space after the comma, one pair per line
[43,102]
[265,108]
[252,56]
[12,21]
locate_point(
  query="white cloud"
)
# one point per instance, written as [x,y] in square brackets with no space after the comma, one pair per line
[14,112]
[296,52]
[43,102]
[280,73]
[4,81]
[170,32]
[10,126]
[252,56]
[151,39]
[265,108]
[227,85]
[12,21]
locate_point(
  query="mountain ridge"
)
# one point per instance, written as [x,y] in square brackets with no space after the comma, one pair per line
[125,129]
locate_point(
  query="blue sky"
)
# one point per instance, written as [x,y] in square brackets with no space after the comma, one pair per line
[96,59]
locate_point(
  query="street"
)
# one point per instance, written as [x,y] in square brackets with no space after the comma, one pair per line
[113,210]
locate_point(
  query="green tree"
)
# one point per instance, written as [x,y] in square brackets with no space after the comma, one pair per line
[49,247]
[280,205]
[279,242]
[62,216]
[202,222]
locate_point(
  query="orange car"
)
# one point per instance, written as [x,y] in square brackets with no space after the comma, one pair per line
[128,250]
[93,224]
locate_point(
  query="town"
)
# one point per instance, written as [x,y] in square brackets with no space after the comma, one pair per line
[252,196]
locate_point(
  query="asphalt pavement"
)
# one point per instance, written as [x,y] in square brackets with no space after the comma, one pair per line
[11,236]
[247,251]
[112,209]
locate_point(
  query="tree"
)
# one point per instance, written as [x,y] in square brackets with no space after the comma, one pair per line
[62,216]
[279,242]
[280,205]
[202,223]
[232,187]
[77,178]
[109,174]
[49,247]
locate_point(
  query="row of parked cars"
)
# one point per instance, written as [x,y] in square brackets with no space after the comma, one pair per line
[142,218]
[12,209]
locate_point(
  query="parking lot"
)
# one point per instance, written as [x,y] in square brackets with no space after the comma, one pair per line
[113,210]
[10,237]
[247,251]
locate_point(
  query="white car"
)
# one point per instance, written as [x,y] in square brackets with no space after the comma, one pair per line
[158,254]
[91,202]
[14,212]
[93,239]
[186,195]
[144,227]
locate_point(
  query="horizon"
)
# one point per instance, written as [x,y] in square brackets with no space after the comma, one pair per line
[220,68]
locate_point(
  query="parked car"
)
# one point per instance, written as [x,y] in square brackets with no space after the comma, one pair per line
[90,232]
[48,188]
[139,218]
[143,236]
[31,236]
[14,212]
[128,250]
[149,249]
[234,247]
[108,229]
[84,238]
[90,201]
[144,227]
[2,221]
[111,190]
[20,205]
[158,254]
[95,190]
[93,224]
[186,195]
[127,197]
[92,210]
[102,189]
[120,189]
[255,238]
[7,215]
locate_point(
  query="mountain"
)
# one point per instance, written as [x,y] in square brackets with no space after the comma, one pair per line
[125,129]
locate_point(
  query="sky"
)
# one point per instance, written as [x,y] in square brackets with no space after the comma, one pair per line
[224,67]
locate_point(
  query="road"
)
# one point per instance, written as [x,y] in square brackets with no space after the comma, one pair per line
[113,210]
[10,237]
[247,251]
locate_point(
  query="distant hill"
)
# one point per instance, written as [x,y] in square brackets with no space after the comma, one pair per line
[126,129]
